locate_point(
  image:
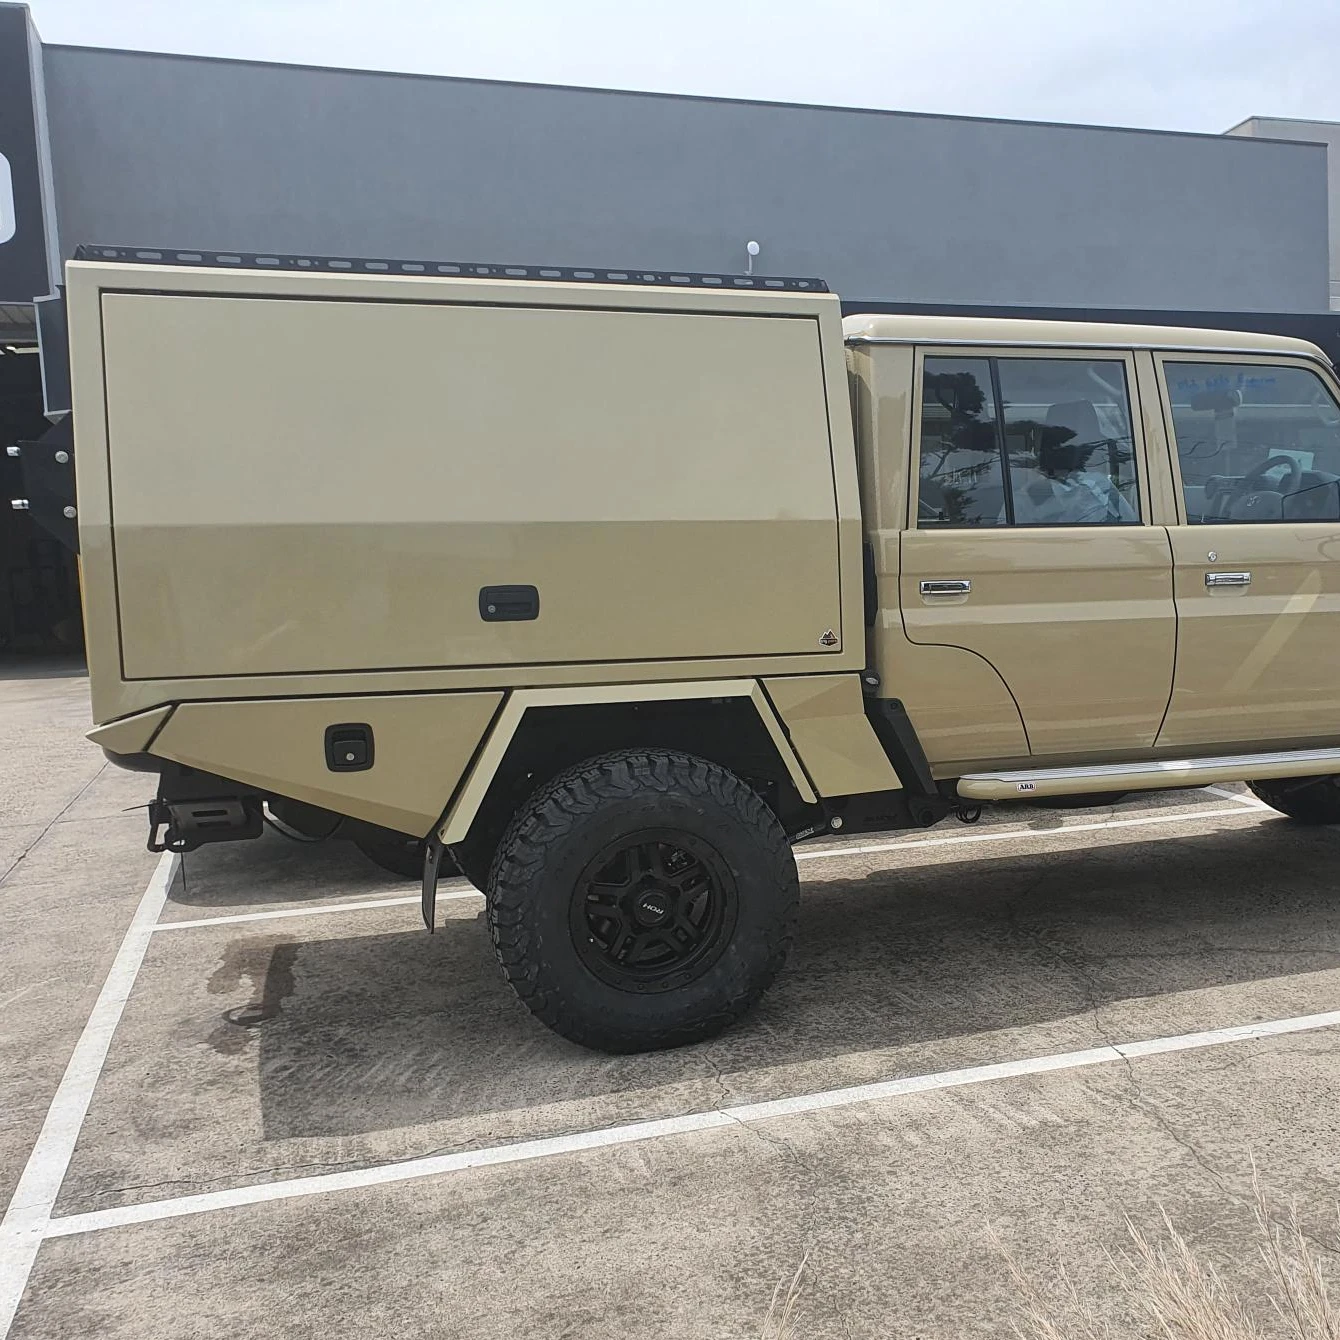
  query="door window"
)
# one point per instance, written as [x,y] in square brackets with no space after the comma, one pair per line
[962,482]
[1026,442]
[1256,442]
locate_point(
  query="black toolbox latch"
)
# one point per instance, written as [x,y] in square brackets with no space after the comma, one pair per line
[508,604]
[349,747]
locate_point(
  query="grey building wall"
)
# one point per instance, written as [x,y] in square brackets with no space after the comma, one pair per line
[1326,133]
[178,151]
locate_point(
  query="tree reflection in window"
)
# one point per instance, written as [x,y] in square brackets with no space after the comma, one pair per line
[1061,428]
[961,479]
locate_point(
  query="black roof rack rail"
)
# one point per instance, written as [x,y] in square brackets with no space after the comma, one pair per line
[568,274]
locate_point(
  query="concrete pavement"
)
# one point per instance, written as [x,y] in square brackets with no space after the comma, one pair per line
[252,1053]
[71,862]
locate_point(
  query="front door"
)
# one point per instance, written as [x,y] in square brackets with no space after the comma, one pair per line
[1257,562]
[1030,548]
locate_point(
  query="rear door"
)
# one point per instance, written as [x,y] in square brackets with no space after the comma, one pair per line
[1257,559]
[1030,544]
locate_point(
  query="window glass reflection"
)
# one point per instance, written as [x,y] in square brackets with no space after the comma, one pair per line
[1255,442]
[1061,425]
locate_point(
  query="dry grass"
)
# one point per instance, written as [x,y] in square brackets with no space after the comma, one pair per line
[780,1323]
[1181,1296]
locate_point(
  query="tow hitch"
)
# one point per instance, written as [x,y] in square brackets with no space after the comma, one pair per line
[184,825]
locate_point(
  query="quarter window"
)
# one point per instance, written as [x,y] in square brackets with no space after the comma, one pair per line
[1026,442]
[1256,442]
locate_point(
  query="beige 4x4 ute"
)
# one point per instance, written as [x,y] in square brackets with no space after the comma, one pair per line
[617,585]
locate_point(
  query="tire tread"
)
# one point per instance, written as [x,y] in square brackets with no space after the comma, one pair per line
[551,814]
[1313,803]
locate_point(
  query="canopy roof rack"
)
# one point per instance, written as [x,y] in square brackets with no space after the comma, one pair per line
[261,260]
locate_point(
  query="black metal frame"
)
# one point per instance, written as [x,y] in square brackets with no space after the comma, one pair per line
[1002,445]
[565,274]
[48,482]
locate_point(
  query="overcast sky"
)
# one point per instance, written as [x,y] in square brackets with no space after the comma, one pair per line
[1174,64]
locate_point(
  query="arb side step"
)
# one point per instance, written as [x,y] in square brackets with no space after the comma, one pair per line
[1149,775]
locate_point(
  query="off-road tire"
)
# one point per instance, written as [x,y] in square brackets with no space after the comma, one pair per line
[537,881]
[1306,800]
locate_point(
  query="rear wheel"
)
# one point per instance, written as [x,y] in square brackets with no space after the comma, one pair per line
[644,899]
[1308,800]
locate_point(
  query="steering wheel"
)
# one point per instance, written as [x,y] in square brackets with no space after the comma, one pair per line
[1254,480]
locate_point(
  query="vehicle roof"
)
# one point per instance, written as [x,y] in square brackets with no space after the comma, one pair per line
[879,328]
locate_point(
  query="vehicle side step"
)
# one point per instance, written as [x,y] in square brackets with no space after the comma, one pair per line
[1148,775]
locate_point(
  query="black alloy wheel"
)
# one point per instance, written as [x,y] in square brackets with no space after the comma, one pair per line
[653,910]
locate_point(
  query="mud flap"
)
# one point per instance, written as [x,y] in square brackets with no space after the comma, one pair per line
[432,865]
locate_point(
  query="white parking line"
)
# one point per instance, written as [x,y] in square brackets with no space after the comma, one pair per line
[1249,800]
[26,1222]
[522,1151]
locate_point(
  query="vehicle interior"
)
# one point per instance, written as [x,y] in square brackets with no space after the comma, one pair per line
[1263,447]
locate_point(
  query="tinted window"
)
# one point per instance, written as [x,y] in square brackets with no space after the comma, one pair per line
[1061,425]
[961,477]
[1068,437]
[1255,442]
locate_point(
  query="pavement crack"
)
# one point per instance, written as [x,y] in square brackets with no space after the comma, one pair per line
[1079,968]
[1150,1109]
[13,865]
[727,1097]
[776,1142]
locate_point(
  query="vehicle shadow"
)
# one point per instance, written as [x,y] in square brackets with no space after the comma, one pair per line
[279,870]
[385,1031]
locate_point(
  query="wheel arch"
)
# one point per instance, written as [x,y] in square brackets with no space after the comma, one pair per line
[540,732]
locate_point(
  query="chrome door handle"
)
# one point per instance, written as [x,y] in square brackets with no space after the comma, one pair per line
[956,586]
[1228,579]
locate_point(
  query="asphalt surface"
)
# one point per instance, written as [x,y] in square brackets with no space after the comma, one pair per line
[260,1053]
